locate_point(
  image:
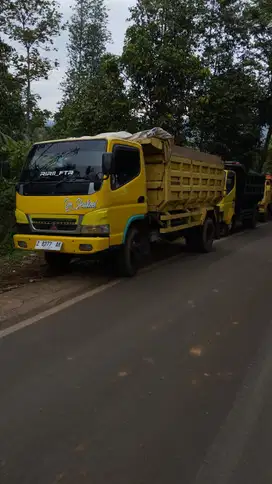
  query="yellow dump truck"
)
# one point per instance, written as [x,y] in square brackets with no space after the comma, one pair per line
[265,205]
[114,193]
[243,191]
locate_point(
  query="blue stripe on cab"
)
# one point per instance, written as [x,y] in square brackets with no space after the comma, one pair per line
[129,222]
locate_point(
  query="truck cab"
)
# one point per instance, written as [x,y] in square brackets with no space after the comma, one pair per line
[65,203]
[265,205]
[227,204]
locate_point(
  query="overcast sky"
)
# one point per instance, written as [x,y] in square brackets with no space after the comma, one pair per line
[50,90]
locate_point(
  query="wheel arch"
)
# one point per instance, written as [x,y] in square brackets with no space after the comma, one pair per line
[134,221]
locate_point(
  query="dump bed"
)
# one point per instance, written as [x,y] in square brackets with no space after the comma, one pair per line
[179,178]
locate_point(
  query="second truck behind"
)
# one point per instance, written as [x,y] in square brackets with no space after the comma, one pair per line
[243,192]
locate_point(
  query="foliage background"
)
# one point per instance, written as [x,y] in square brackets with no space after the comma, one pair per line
[201,69]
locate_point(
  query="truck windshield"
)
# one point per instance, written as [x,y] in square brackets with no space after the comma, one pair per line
[69,160]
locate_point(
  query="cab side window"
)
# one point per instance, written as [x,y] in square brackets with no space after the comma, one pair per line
[230,182]
[127,166]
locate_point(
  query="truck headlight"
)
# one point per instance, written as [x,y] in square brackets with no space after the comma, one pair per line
[96,229]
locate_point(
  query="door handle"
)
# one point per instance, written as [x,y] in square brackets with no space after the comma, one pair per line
[141,199]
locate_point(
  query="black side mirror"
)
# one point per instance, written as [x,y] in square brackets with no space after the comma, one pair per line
[5,171]
[97,185]
[107,163]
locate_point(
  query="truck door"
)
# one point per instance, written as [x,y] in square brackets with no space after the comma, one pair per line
[128,194]
[229,199]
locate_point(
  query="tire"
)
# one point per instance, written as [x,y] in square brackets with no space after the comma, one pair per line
[233,225]
[251,223]
[201,238]
[57,261]
[131,256]
[263,217]
[225,230]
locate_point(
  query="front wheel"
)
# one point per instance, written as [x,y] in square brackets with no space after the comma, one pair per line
[57,261]
[132,254]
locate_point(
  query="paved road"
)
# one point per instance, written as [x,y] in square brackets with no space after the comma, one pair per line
[163,379]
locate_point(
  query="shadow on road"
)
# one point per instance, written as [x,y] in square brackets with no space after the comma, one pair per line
[31,267]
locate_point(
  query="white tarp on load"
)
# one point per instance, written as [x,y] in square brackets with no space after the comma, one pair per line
[158,133]
[152,133]
[119,134]
[148,133]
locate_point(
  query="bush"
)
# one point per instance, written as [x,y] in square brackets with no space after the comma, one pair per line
[15,153]
[7,219]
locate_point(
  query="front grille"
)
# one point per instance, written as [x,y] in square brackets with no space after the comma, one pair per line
[54,225]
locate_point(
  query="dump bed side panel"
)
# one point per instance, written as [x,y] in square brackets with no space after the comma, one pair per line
[183,180]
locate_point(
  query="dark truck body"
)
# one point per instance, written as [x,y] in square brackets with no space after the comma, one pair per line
[249,192]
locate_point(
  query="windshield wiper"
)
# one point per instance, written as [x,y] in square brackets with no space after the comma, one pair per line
[66,179]
[92,177]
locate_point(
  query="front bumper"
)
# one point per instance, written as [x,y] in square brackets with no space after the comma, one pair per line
[70,245]
[262,208]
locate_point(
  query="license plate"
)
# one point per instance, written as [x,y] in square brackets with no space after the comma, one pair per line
[48,245]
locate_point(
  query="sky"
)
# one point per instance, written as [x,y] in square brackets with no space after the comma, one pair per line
[49,90]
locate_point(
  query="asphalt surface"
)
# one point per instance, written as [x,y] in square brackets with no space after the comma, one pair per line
[162,379]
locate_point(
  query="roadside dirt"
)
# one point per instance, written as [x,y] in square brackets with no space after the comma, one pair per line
[28,287]
[21,269]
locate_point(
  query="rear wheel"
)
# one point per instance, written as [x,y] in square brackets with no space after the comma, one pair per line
[233,225]
[133,253]
[263,217]
[250,223]
[225,230]
[201,238]
[57,261]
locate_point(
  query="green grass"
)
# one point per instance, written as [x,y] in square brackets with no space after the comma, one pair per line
[6,246]
[14,255]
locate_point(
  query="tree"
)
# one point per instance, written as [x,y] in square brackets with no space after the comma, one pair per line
[94,91]
[258,16]
[225,113]
[12,120]
[34,24]
[222,33]
[102,105]
[226,120]
[267,166]
[161,61]
[88,36]
[189,71]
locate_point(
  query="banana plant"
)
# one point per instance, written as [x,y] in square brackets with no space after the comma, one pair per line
[12,154]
